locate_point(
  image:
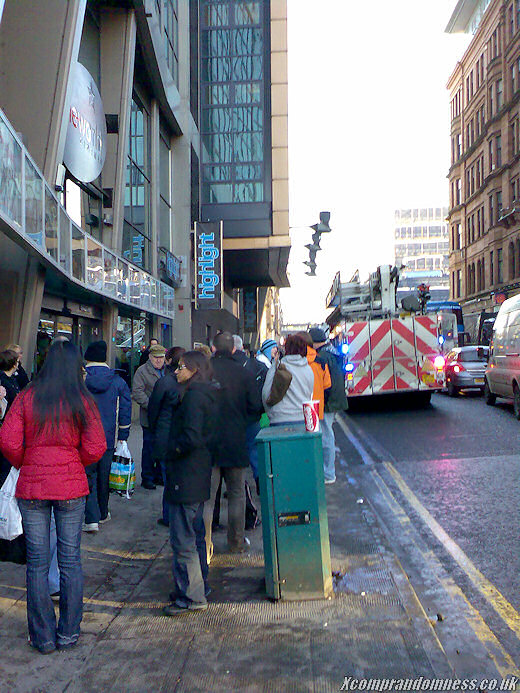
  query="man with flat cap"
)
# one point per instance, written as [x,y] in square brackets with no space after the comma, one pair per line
[144,380]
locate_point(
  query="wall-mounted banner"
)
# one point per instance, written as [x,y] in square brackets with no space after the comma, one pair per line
[250,308]
[209,278]
[85,146]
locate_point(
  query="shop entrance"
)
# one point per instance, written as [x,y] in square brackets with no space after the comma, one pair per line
[81,331]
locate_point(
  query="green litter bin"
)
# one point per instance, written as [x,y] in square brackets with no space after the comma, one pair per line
[294,513]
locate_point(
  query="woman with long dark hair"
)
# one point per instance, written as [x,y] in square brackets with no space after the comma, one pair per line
[188,481]
[52,431]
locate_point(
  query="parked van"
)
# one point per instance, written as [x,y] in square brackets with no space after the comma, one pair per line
[502,377]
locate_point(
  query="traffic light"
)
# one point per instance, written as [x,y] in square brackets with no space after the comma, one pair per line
[322,227]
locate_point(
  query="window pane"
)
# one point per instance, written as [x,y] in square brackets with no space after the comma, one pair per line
[247,93]
[164,224]
[247,13]
[164,162]
[248,192]
[217,94]
[51,225]
[10,175]
[110,273]
[64,240]
[122,280]
[33,203]
[78,253]
[218,193]
[134,285]
[94,264]
[217,15]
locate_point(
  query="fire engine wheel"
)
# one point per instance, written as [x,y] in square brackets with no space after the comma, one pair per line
[489,397]
[516,401]
[452,390]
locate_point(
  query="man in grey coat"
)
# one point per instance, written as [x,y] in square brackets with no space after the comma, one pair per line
[144,380]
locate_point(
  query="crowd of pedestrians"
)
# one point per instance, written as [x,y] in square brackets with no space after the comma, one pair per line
[200,412]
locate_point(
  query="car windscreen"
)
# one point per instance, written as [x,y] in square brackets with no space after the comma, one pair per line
[476,354]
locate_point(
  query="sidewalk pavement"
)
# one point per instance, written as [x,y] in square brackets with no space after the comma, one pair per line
[373,628]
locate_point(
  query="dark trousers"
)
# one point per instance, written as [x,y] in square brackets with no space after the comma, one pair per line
[147,463]
[165,506]
[96,507]
[187,537]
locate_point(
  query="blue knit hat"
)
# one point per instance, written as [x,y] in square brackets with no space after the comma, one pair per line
[267,347]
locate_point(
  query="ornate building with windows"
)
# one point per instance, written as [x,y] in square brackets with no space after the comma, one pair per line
[484,187]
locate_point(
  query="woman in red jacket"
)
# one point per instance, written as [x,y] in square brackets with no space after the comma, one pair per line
[52,431]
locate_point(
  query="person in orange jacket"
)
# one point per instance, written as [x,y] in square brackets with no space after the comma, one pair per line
[321,373]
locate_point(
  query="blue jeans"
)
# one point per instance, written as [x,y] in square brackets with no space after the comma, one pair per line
[188,540]
[54,571]
[251,432]
[36,516]
[329,446]
[147,463]
[96,507]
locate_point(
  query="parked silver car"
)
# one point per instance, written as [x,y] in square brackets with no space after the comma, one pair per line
[465,368]
[503,371]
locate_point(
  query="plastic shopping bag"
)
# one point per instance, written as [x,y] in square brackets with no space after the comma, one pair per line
[122,471]
[10,516]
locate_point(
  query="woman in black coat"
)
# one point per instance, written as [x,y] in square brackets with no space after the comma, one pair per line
[188,481]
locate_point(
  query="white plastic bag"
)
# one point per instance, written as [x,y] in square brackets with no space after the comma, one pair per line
[10,516]
[122,471]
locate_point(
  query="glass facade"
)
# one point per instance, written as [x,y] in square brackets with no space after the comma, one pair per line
[233,118]
[136,228]
[39,218]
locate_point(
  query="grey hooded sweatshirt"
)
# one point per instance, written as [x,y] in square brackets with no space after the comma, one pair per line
[300,390]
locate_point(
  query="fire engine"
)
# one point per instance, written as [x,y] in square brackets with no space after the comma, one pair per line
[386,350]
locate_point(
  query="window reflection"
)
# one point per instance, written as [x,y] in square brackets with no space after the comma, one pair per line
[64,241]
[33,203]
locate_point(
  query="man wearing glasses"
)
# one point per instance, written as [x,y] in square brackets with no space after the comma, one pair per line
[144,380]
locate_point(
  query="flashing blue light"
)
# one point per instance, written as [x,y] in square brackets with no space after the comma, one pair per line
[344,348]
[441,340]
[349,367]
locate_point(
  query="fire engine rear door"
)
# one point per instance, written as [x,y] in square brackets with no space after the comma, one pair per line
[382,356]
[405,362]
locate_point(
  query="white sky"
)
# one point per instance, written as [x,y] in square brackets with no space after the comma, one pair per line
[369,131]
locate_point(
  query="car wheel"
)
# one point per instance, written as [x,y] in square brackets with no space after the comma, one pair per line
[516,401]
[488,395]
[452,390]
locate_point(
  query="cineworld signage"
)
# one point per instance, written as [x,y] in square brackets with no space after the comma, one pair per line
[208,265]
[85,146]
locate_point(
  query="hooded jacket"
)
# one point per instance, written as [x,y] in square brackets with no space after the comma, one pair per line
[322,379]
[300,390]
[112,396]
[188,459]
[335,398]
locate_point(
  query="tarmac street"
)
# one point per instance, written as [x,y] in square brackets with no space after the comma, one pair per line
[398,611]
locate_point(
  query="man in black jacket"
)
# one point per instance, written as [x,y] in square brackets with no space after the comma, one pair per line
[258,371]
[239,399]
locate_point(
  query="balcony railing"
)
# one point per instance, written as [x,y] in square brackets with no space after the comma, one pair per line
[29,207]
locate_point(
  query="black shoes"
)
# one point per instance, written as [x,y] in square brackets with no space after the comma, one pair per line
[148,485]
[161,522]
[175,610]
